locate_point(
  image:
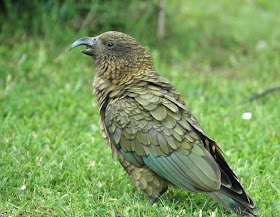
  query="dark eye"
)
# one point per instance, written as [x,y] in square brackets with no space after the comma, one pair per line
[110,44]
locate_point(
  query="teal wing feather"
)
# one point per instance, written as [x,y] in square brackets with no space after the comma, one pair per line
[231,194]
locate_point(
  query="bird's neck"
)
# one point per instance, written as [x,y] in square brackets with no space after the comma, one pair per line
[122,70]
[107,89]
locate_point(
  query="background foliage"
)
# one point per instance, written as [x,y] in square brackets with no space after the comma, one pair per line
[53,161]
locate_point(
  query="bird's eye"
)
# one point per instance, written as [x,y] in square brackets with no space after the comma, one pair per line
[110,44]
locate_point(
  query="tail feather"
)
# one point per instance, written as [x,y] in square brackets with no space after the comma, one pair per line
[231,194]
[231,204]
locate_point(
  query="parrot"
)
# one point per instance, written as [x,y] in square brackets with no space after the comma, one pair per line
[150,129]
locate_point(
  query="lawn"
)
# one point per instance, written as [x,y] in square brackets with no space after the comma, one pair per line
[53,160]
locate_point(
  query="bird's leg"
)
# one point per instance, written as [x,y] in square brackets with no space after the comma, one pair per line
[145,180]
[154,199]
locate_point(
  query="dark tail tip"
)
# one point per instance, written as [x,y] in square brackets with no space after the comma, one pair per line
[233,205]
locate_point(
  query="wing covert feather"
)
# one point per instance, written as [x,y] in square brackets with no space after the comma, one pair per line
[152,130]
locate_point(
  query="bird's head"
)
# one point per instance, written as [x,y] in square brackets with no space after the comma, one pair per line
[117,55]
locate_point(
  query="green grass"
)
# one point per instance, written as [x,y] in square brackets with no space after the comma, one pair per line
[219,55]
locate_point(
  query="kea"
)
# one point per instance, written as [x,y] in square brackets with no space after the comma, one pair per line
[151,131]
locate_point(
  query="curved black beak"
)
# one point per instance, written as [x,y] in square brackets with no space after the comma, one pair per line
[88,41]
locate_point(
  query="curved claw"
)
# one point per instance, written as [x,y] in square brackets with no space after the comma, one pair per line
[154,199]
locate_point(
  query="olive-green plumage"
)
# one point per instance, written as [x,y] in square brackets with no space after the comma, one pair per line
[150,129]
